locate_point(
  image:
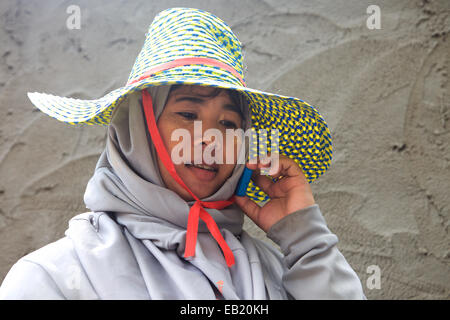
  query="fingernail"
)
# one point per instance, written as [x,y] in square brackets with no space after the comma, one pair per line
[265,160]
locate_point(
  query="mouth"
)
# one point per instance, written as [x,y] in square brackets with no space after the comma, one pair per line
[203,172]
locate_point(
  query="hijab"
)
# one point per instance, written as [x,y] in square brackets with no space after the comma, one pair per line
[134,243]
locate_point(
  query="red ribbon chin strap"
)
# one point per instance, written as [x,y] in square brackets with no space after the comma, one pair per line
[189,61]
[197,211]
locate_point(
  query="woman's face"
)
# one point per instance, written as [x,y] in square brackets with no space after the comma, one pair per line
[216,110]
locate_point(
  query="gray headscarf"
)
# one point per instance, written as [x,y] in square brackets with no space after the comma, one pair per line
[136,250]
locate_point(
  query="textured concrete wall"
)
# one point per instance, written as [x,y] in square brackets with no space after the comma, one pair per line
[385,94]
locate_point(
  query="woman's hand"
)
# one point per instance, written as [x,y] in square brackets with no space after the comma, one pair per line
[287,195]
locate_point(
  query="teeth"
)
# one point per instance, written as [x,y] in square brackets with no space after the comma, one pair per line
[204,167]
[201,166]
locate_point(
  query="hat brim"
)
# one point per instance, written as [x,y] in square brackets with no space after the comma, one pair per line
[303,133]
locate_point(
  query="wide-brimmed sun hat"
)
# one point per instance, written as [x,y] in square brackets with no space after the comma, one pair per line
[194,47]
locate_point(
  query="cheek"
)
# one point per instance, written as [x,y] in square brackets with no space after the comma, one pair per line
[228,169]
[179,148]
[231,145]
[166,128]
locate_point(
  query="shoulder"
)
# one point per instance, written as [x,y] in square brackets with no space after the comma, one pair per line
[36,275]
[52,254]
[51,272]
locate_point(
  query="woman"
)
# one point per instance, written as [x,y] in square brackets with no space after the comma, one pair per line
[165,229]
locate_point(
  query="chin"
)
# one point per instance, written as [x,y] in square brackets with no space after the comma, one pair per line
[203,190]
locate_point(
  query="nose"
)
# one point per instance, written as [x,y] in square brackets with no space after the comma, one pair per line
[208,140]
[206,135]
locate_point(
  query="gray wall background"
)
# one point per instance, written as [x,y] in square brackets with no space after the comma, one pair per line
[384,93]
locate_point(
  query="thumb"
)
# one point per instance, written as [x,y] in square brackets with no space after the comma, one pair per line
[250,208]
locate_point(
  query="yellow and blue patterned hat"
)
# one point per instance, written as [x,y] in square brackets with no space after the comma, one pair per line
[194,47]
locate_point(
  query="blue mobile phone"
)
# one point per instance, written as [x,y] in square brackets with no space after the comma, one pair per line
[241,189]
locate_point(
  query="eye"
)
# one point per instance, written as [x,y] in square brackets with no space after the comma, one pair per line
[188,115]
[229,124]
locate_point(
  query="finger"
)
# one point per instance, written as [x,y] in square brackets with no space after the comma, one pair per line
[285,167]
[258,178]
[263,182]
[258,162]
[261,163]
[275,166]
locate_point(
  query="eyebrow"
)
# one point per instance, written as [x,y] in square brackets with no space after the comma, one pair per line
[228,106]
[235,108]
